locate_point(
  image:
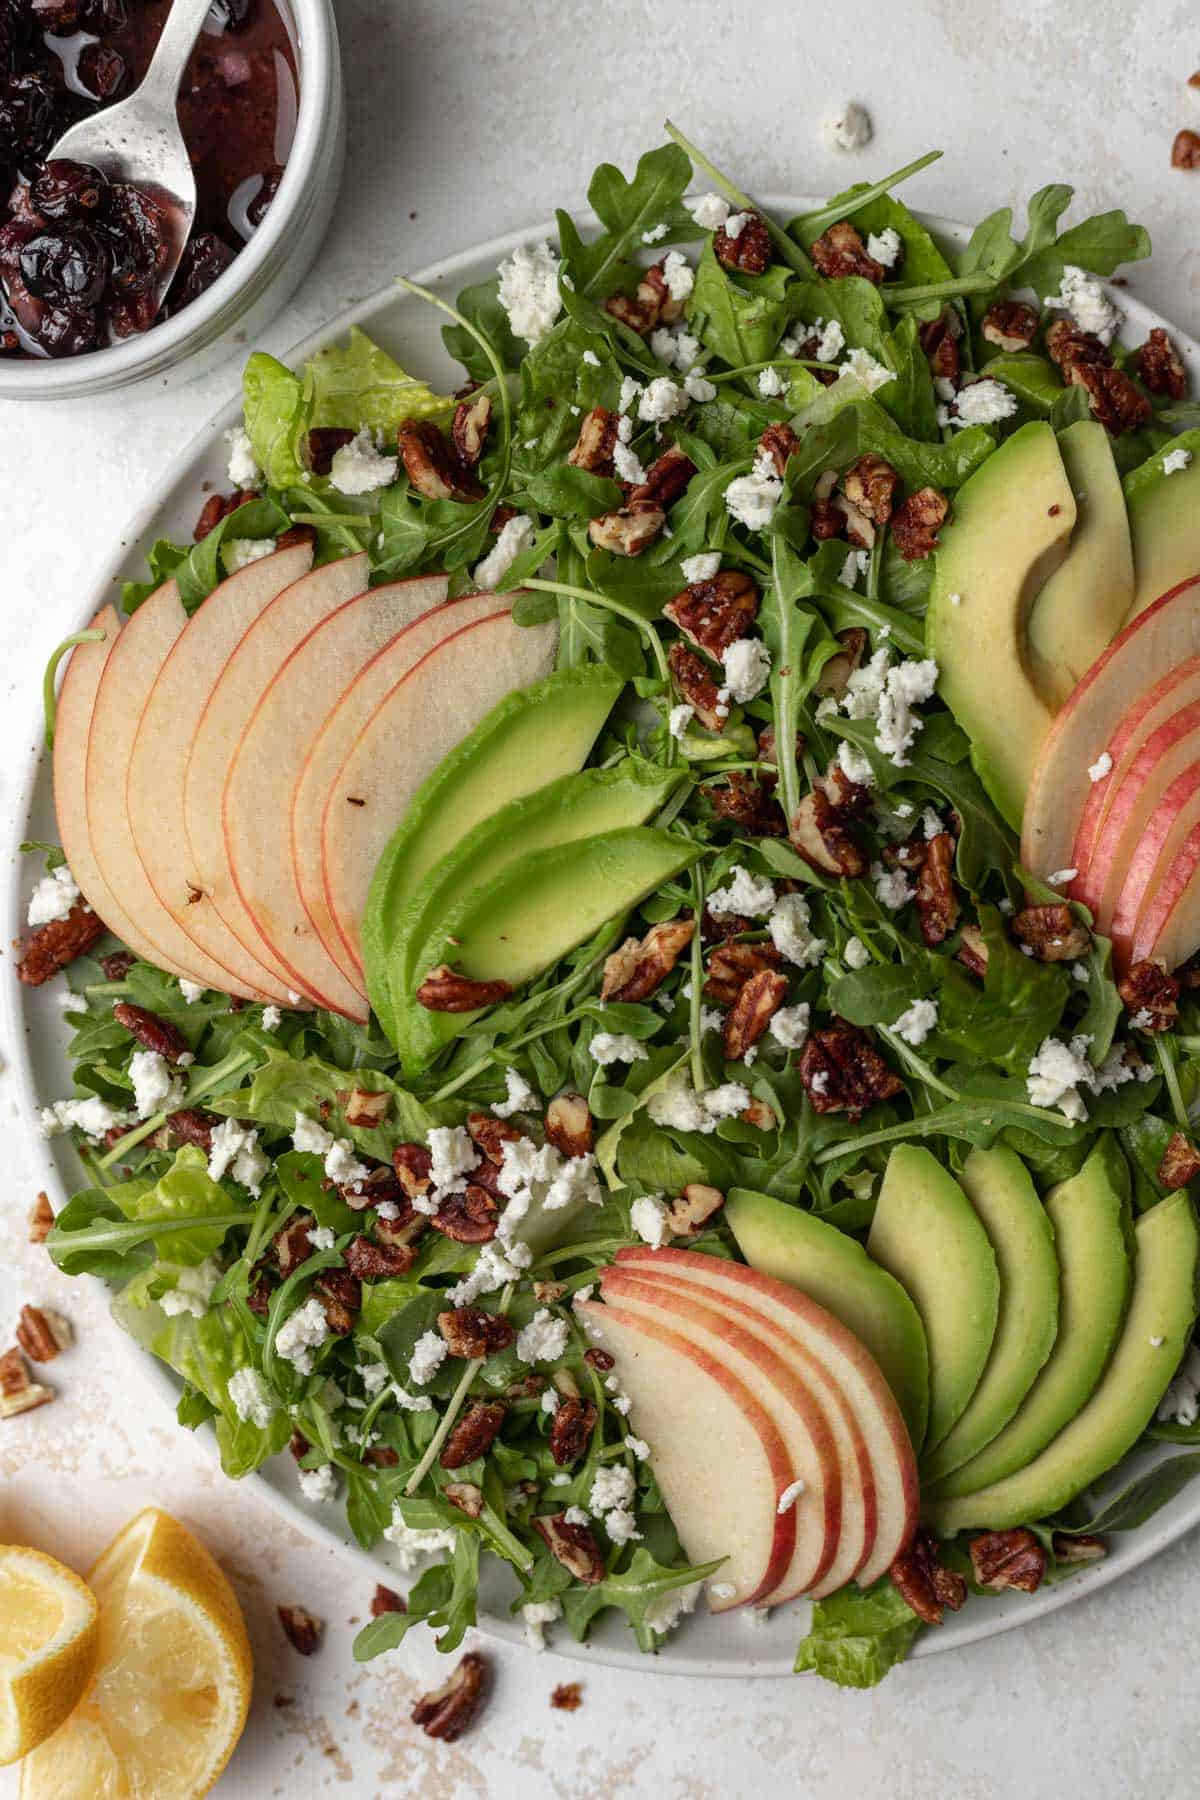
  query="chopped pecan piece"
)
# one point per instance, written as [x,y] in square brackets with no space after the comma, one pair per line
[117,966]
[469,1218]
[453,1708]
[870,485]
[715,613]
[917,521]
[571,1431]
[472,1333]
[937,904]
[654,291]
[151,1032]
[323,445]
[1160,366]
[695,683]
[41,1219]
[628,531]
[1008,1559]
[431,465]
[694,1207]
[842,1071]
[569,1125]
[443,990]
[466,1496]
[405,1226]
[779,442]
[387,1600]
[474,1434]
[840,252]
[638,969]
[666,478]
[1115,400]
[190,1125]
[381,1456]
[412,1163]
[302,1629]
[218,507]
[938,338]
[491,1135]
[1179,1165]
[924,1584]
[549,1293]
[1151,995]
[972,951]
[757,1002]
[567,1696]
[731,966]
[19,1392]
[55,945]
[363,1107]
[819,832]
[299,1445]
[599,1360]
[1011,324]
[637,314]
[747,802]
[1052,932]
[574,1546]
[760,1115]
[749,249]
[295,534]
[1079,1548]
[472,421]
[263,1282]
[593,448]
[340,1293]
[836,674]
[1185,151]
[379,1262]
[826,520]
[43,1334]
[292,1243]
[528,1387]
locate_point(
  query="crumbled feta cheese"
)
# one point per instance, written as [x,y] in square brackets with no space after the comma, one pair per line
[71,1002]
[1175,461]
[710,211]
[662,343]
[453,1156]
[916,1022]
[1101,768]
[318,1484]
[752,499]
[854,764]
[983,403]
[411,1402]
[856,565]
[697,387]
[679,718]
[520,1097]
[429,1353]
[322,1237]
[656,233]
[360,467]
[648,1218]
[722,706]
[342,1166]
[272,1018]
[791,933]
[496,1265]
[890,694]
[192,1291]
[239,553]
[678,1106]
[551,1401]
[931,823]
[1181,1402]
[665,1610]
[789,1496]
[736,223]
[375,1377]
[789,1026]
[612,1486]
[860,366]
[892,887]
[820,1081]
[638,1448]
[663,399]
[687,349]
[154,1088]
[1061,877]
[615,1046]
[856,953]
[92,1116]
[728,1101]
[747,668]
[701,567]
[678,274]
[529,291]
[627,463]
[885,246]
[301,1333]
[621,1526]
[747,895]
[1056,1074]
[621,1403]
[831,341]
[544,1339]
[250,1397]
[1083,297]
[771,383]
[536,1615]
[631,389]
[414,1544]
[849,128]
[53,897]
[234,1147]
[309,1137]
[243,468]
[516,535]
[581,1295]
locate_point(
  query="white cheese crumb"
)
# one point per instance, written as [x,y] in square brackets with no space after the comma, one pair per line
[239,553]
[191,990]
[638,1447]
[789,1026]
[235,1148]
[590,357]
[515,537]
[621,1526]
[626,463]
[663,399]
[616,1046]
[301,1333]
[710,211]
[771,383]
[656,233]
[648,1218]
[360,467]
[789,1496]
[697,387]
[747,895]
[679,718]
[678,275]
[71,1002]
[154,1089]
[318,1484]
[855,566]
[892,887]
[244,471]
[551,1401]
[849,128]
[832,340]
[856,953]
[322,1237]
[747,668]
[250,1397]
[519,1098]
[529,291]
[612,1486]
[429,1353]
[192,1291]
[92,1116]
[854,764]
[414,1544]
[1083,297]
[983,403]
[544,1339]
[1061,877]
[453,1157]
[53,897]
[791,933]
[1056,1073]
[665,1611]
[1175,461]
[752,499]
[272,1018]
[536,1615]
[885,246]
[916,1022]
[861,367]
[1101,768]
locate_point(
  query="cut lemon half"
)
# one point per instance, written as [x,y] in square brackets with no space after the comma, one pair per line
[172,1682]
[49,1630]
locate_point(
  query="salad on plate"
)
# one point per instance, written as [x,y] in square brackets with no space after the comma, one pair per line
[630,932]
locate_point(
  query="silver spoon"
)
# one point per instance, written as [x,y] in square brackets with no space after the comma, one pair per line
[139,140]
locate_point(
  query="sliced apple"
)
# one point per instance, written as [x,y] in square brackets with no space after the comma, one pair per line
[778,1305]
[262,650]
[717,1454]
[1152,870]
[1164,636]
[158,760]
[425,715]
[1168,752]
[1168,926]
[817,1425]
[257,803]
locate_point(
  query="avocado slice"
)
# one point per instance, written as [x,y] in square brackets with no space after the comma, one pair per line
[541,906]
[1090,1218]
[998,1186]
[928,1235]
[1011,530]
[835,1271]
[1164,520]
[1162,1312]
[532,737]
[574,806]
[1083,605]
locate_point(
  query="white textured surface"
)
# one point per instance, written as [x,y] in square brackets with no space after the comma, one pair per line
[474,118]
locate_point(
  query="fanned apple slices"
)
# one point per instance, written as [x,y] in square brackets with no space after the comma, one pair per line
[195,760]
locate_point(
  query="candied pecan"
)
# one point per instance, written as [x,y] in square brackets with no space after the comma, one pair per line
[778,442]
[490,1135]
[819,832]
[639,315]
[340,1294]
[917,521]
[19,1392]
[361,1106]
[1179,1165]
[431,465]
[549,1293]
[747,802]
[923,1583]
[1052,932]
[472,1333]
[387,1600]
[1115,400]
[1185,151]
[1008,1559]
[43,1334]
[151,1032]
[474,1434]
[574,1546]
[694,1207]
[1160,366]
[302,1629]
[443,990]
[1011,324]
[500,518]
[870,485]
[1066,345]
[466,1496]
[56,944]
[731,966]
[599,1360]
[569,1125]
[412,1163]
[654,291]
[117,965]
[567,1696]
[972,951]
[381,1456]
[41,1219]
[472,421]
[323,445]
[629,530]
[715,613]
[1151,995]
[469,1218]
[695,683]
[190,1125]
[453,1708]
[938,338]
[571,1431]
[218,507]
[487,1176]
[295,534]
[527,1388]
[666,478]
[638,969]
[593,448]
[1082,1547]
[299,1445]
[378,1262]
[760,1115]
[756,1004]
[840,252]
[292,1242]
[825,520]
[264,1281]
[842,1071]
[749,250]
[835,676]
[937,905]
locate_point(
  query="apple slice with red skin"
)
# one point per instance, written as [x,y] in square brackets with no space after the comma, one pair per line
[256,808]
[717,1453]
[1152,872]
[259,653]
[154,779]
[1168,927]
[436,704]
[776,1305]
[832,1509]
[1168,752]
[1164,636]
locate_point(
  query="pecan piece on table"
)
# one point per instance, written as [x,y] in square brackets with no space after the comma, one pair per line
[41,1219]
[937,903]
[1160,366]
[569,1125]
[472,421]
[870,486]
[490,1135]
[593,448]
[443,990]
[574,1546]
[387,1600]
[840,252]
[924,1584]
[1179,1164]
[757,1002]
[323,445]
[1151,995]
[1115,400]
[629,530]
[432,467]
[842,1071]
[571,1431]
[639,968]
[302,1629]
[731,966]
[694,1207]
[472,1333]
[696,684]
[469,1218]
[1008,1559]
[1185,151]
[453,1708]
[819,832]
[567,1696]
[715,613]
[19,1392]
[378,1262]
[917,521]
[150,1031]
[747,248]
[666,478]
[474,1434]
[1052,932]
[779,442]
[55,945]
[748,802]
[42,1334]
[1011,324]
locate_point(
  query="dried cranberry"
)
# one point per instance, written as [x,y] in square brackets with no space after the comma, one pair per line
[206,258]
[101,71]
[256,212]
[67,190]
[138,239]
[69,330]
[28,119]
[65,267]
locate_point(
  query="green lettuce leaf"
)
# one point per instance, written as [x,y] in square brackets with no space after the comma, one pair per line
[855,1638]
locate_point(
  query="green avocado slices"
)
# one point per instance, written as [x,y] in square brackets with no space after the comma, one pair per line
[1164,520]
[1162,1312]
[999,1187]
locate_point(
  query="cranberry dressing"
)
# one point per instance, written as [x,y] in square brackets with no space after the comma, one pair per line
[78,255]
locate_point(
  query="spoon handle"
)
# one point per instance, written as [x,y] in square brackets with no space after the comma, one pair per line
[160,85]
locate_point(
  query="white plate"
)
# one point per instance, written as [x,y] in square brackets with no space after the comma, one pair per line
[730,1645]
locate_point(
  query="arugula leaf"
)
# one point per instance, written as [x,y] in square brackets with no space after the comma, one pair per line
[481,305]
[198,568]
[855,1638]
[741,320]
[1100,244]
[1136,1503]
[627,209]
[1020,1003]
[634,1592]
[286,1085]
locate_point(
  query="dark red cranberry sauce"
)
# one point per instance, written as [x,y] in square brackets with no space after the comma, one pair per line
[79,256]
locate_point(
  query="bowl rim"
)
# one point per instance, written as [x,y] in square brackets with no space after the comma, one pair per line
[165,345]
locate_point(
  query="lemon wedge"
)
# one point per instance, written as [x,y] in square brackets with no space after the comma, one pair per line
[49,1630]
[172,1680]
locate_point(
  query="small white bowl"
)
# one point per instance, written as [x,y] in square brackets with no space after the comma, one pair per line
[263,275]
